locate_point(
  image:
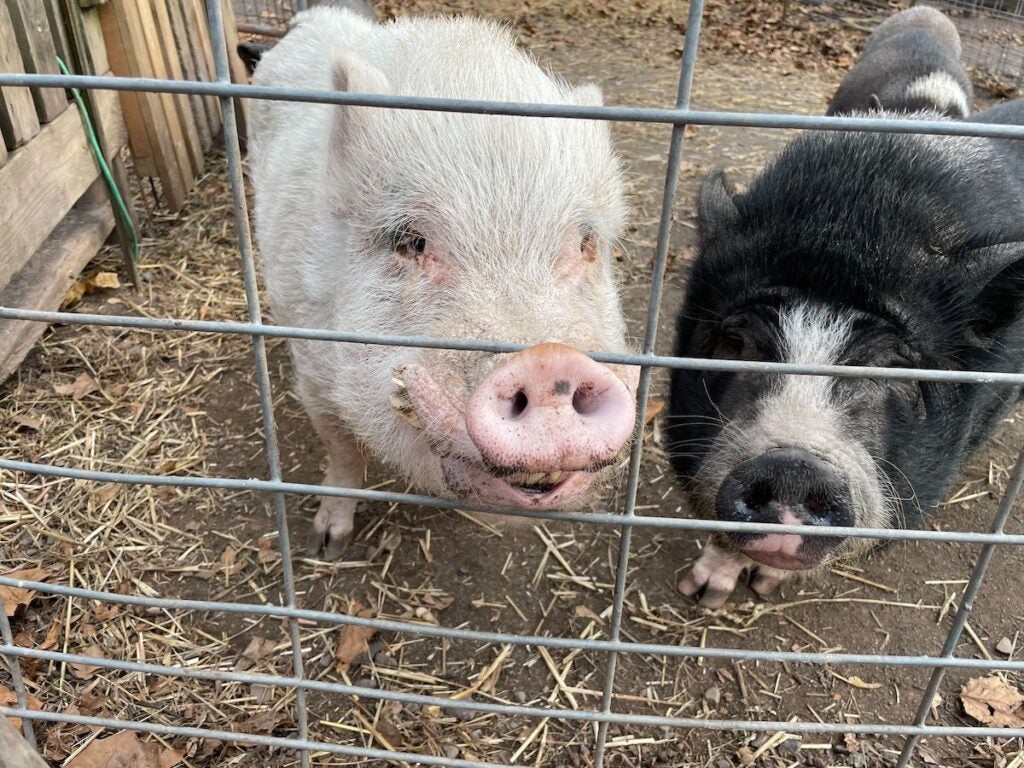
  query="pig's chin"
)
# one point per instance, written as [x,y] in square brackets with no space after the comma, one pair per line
[786,551]
[471,481]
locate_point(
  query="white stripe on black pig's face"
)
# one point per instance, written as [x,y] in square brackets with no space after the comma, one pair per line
[792,449]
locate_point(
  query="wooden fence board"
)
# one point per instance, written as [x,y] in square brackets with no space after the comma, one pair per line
[18,120]
[195,18]
[38,54]
[164,47]
[187,60]
[61,43]
[43,180]
[148,126]
[44,281]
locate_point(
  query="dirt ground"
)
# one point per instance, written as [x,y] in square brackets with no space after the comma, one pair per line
[187,404]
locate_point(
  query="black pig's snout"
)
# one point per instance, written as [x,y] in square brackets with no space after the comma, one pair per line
[785,485]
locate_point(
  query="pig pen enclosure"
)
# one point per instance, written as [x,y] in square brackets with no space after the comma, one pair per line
[150,586]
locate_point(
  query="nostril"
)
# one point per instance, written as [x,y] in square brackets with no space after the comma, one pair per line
[519,403]
[759,495]
[815,505]
[584,400]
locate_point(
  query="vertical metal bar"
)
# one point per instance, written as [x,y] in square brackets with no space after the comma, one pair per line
[14,664]
[234,156]
[675,154]
[966,606]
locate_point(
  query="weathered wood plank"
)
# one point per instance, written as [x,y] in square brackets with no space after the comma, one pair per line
[42,181]
[61,42]
[44,281]
[131,103]
[165,52]
[32,29]
[195,19]
[18,120]
[148,126]
[14,750]
[187,60]
[239,74]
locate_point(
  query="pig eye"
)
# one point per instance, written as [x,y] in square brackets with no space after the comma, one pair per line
[412,245]
[588,247]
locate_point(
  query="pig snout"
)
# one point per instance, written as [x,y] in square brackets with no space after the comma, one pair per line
[787,486]
[550,408]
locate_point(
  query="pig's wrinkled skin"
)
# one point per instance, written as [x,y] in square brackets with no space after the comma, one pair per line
[451,226]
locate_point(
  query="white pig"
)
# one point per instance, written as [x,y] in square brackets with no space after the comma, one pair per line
[450,226]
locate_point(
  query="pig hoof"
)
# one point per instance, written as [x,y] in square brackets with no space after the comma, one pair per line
[332,529]
[765,580]
[713,577]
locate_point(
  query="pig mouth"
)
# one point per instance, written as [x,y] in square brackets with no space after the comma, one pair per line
[786,551]
[537,490]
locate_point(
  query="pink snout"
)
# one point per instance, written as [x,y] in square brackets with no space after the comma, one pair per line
[550,408]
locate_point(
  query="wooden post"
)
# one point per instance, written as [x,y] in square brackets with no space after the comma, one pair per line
[15,751]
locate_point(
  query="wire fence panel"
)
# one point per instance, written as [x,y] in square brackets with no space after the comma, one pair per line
[272,484]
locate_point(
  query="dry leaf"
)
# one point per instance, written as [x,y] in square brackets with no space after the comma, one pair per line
[27,421]
[84,671]
[228,558]
[857,682]
[9,698]
[52,636]
[655,405]
[79,388]
[263,722]
[354,640]
[583,612]
[992,701]
[266,552]
[124,750]
[91,283]
[16,598]
[105,493]
[258,648]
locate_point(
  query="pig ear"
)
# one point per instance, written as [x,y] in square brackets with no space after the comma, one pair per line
[716,208]
[998,275]
[353,74]
[587,95]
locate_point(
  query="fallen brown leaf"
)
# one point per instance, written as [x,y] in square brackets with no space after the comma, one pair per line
[105,493]
[124,750]
[16,598]
[9,698]
[52,636]
[354,640]
[83,385]
[992,701]
[857,682]
[258,648]
[262,722]
[27,421]
[84,671]
[655,405]
[90,283]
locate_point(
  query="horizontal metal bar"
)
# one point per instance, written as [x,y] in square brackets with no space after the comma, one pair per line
[498,638]
[485,707]
[590,518]
[473,345]
[761,726]
[259,29]
[246,738]
[475,106]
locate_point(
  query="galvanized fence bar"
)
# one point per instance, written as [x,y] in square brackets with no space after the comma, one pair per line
[668,199]
[558,643]
[473,345]
[592,518]
[475,106]
[966,606]
[252,300]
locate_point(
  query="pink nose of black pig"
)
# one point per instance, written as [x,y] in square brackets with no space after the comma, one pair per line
[548,408]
